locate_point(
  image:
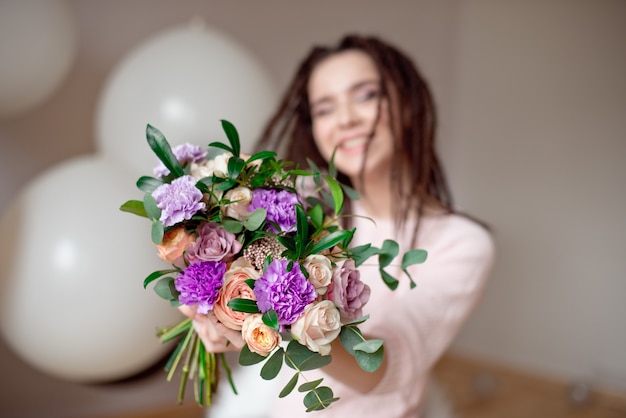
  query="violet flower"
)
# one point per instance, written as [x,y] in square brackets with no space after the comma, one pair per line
[179,200]
[280,206]
[348,292]
[286,292]
[184,153]
[200,284]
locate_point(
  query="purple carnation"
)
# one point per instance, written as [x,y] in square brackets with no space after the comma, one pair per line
[280,206]
[185,153]
[286,292]
[179,200]
[200,284]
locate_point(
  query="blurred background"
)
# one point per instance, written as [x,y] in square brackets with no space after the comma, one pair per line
[532,102]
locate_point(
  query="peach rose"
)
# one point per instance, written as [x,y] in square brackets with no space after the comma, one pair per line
[241,197]
[235,287]
[260,338]
[174,244]
[318,326]
[217,166]
[320,272]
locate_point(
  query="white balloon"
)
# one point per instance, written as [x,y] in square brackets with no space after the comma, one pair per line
[183,82]
[38,41]
[72,302]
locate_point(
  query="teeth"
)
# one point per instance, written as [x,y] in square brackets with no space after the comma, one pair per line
[355,142]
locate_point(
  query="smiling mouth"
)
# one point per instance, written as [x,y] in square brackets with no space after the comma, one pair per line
[353,144]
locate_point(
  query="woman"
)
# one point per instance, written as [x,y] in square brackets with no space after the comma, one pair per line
[365,101]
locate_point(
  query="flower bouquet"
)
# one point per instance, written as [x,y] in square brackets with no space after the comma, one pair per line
[271,261]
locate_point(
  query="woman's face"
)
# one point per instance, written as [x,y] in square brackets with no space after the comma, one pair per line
[344,91]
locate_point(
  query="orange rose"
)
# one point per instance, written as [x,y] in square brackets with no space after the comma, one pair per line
[235,287]
[260,338]
[174,244]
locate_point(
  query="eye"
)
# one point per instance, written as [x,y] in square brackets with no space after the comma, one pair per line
[367,93]
[321,110]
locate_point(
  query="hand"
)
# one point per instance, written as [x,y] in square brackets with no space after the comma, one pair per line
[216,337]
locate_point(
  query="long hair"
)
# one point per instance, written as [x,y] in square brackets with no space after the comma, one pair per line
[417,178]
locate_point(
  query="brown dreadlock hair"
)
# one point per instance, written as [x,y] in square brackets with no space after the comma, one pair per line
[417,179]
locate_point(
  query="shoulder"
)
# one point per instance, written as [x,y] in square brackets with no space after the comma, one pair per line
[453,234]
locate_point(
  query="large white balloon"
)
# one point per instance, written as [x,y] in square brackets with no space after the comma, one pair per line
[182,81]
[38,41]
[72,303]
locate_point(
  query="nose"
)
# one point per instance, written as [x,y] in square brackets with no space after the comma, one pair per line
[347,115]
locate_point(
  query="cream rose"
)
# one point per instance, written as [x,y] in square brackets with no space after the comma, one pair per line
[320,272]
[174,244]
[260,338]
[235,286]
[318,326]
[241,197]
[217,166]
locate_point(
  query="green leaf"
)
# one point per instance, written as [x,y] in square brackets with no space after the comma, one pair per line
[221,146]
[349,337]
[319,398]
[332,170]
[150,205]
[350,192]
[273,365]
[369,346]
[301,358]
[243,305]
[255,220]
[163,288]
[316,213]
[390,281]
[305,387]
[388,252]
[302,231]
[358,320]
[370,362]
[248,358]
[232,135]
[412,257]
[163,151]
[155,275]
[157,232]
[270,318]
[313,166]
[336,193]
[148,184]
[289,386]
[235,165]
[262,155]
[135,207]
[232,225]
[331,240]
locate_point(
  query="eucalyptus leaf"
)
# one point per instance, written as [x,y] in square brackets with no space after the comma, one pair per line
[289,386]
[349,337]
[155,275]
[163,151]
[370,362]
[412,257]
[232,135]
[157,232]
[389,251]
[369,346]
[273,365]
[255,220]
[305,387]
[148,184]
[248,358]
[390,281]
[150,205]
[319,398]
[301,358]
[232,225]
[135,207]
[163,288]
[358,320]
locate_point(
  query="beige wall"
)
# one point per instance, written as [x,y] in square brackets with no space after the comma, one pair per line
[533,114]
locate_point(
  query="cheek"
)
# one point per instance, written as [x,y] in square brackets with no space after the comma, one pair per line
[322,138]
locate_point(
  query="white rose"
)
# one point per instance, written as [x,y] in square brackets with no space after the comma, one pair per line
[317,327]
[241,197]
[320,272]
[217,166]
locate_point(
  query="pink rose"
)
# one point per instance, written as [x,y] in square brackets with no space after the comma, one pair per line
[260,338]
[174,244]
[320,272]
[348,292]
[235,287]
[241,197]
[214,243]
[318,326]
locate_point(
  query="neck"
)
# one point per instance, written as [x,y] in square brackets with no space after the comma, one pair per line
[375,195]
